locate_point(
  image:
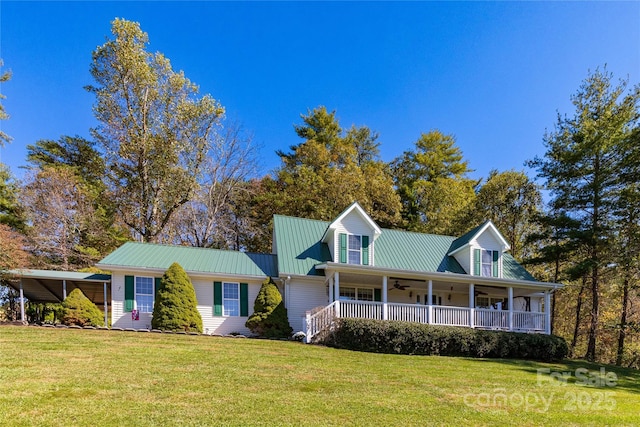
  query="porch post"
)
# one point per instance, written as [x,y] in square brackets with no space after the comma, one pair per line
[337,292]
[472,301]
[547,312]
[64,290]
[106,309]
[21,302]
[430,301]
[510,308]
[331,298]
[385,308]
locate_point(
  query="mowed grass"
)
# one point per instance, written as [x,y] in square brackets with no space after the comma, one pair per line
[53,377]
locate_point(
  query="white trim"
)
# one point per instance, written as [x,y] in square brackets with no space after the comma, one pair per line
[354,206]
[136,293]
[331,267]
[505,245]
[192,274]
[230,299]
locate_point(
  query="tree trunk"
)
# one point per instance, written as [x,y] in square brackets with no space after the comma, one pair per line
[576,329]
[623,321]
[593,324]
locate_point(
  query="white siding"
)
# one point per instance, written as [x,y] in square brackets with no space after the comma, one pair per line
[218,324]
[204,295]
[487,241]
[464,259]
[353,224]
[304,296]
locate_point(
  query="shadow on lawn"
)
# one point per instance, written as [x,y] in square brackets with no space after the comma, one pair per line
[628,379]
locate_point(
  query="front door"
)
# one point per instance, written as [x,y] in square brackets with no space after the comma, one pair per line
[436,299]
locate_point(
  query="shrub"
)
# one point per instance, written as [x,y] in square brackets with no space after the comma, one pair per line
[381,336]
[269,318]
[77,309]
[176,307]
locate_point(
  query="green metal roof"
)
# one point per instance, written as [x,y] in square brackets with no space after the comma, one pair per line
[194,260]
[300,250]
[299,246]
[415,251]
[61,275]
[465,238]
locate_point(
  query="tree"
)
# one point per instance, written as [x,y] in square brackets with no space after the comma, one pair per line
[60,211]
[269,318]
[79,310]
[155,131]
[329,170]
[76,157]
[581,167]
[5,76]
[11,212]
[627,248]
[513,202]
[433,187]
[176,306]
[12,256]
[209,220]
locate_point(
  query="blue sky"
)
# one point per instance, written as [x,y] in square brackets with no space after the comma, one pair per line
[492,74]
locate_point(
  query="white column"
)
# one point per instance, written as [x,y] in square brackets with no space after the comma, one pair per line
[331,297]
[510,308]
[430,300]
[106,308]
[385,308]
[64,290]
[547,312]
[21,302]
[472,303]
[336,281]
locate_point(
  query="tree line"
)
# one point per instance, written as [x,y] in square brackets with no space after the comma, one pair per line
[164,165]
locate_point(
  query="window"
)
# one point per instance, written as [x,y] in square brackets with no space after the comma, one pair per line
[486,263]
[355,246]
[231,299]
[356,294]
[144,294]
[491,302]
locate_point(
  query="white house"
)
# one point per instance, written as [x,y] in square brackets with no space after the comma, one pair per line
[349,267]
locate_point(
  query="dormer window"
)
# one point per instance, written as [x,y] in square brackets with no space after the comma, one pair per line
[354,249]
[486,263]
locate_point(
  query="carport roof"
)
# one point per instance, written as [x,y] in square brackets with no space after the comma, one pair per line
[47,285]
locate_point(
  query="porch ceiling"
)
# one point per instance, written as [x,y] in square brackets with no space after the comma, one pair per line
[351,279]
[48,286]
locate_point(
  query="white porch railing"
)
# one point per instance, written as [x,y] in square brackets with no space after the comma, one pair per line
[322,318]
[527,321]
[450,316]
[494,319]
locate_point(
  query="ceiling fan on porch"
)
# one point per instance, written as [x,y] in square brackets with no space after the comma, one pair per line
[397,285]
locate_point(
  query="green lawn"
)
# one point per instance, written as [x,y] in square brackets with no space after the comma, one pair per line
[96,378]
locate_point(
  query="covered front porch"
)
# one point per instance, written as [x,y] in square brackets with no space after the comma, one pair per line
[446,299]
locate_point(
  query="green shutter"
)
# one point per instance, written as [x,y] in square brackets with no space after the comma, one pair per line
[244,299]
[495,263]
[365,250]
[157,281]
[217,298]
[476,262]
[377,295]
[343,248]
[128,293]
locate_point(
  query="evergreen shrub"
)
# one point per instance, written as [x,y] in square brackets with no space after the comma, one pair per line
[176,306]
[78,310]
[380,336]
[269,318]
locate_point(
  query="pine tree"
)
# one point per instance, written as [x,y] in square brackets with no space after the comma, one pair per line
[269,318]
[175,308]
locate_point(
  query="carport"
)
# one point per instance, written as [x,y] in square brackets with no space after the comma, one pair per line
[53,286]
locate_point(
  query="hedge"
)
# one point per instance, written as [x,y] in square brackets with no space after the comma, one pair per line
[380,336]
